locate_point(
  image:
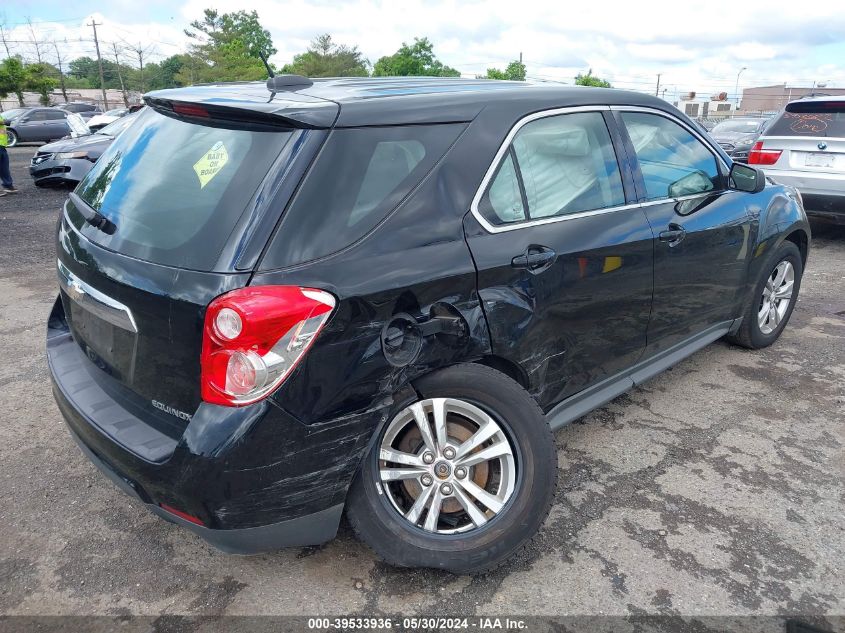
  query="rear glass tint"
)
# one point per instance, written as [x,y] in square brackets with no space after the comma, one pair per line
[810,118]
[360,176]
[175,190]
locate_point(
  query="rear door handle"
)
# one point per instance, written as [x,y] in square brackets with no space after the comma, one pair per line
[673,235]
[535,259]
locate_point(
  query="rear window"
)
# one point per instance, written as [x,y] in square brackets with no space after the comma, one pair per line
[175,190]
[810,118]
[360,176]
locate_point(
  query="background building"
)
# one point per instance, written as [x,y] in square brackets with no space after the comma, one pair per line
[774,98]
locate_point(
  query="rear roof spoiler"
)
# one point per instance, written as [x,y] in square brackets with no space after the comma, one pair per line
[289,110]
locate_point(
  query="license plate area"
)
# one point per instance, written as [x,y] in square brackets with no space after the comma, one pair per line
[819,159]
[104,328]
[109,347]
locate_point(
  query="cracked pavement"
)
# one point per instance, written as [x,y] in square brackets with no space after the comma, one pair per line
[714,489]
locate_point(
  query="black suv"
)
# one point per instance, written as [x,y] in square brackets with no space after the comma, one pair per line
[383,295]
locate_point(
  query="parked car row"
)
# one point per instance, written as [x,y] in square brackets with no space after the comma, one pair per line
[45,124]
[32,125]
[66,161]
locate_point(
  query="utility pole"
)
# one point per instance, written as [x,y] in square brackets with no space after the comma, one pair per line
[657,90]
[59,61]
[120,75]
[94,25]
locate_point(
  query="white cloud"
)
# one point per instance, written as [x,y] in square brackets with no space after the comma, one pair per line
[694,46]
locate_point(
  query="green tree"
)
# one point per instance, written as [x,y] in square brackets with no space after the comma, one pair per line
[324,58]
[86,72]
[169,68]
[591,80]
[40,78]
[514,72]
[13,78]
[226,48]
[158,75]
[415,60]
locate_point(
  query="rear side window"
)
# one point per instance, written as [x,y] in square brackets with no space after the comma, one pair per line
[810,118]
[359,177]
[555,166]
[672,160]
[175,190]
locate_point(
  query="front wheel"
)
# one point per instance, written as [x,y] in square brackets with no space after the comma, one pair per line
[12,138]
[767,310]
[461,479]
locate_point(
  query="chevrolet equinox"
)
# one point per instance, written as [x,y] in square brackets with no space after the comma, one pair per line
[283,300]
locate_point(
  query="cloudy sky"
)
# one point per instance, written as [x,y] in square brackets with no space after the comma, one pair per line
[696,46]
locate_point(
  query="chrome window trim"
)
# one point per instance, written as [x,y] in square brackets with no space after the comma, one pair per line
[503,149]
[95,301]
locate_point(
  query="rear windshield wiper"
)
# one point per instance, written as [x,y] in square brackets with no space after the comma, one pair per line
[92,216]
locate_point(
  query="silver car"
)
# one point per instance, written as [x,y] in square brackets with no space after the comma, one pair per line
[805,147]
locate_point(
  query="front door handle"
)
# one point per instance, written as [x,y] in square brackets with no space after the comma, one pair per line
[673,235]
[535,259]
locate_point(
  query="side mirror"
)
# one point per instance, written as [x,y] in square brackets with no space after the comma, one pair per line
[745,178]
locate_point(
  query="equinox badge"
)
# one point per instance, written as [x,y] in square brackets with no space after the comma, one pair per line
[168,409]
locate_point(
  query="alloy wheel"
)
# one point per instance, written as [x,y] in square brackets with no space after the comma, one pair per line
[446,466]
[777,294]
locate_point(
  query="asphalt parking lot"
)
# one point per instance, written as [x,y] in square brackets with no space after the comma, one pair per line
[715,489]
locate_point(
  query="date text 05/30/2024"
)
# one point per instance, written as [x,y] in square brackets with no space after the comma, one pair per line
[418,623]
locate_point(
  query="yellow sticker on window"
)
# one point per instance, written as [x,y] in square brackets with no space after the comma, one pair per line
[210,165]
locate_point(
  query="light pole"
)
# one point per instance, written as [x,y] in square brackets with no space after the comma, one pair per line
[736,89]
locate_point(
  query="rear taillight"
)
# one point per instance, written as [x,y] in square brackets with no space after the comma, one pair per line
[254,337]
[760,156]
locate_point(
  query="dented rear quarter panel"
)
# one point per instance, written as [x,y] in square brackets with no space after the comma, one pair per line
[415,262]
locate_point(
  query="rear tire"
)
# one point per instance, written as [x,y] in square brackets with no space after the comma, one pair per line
[466,535]
[772,299]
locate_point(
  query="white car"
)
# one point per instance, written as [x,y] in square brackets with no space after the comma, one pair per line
[102,120]
[805,147]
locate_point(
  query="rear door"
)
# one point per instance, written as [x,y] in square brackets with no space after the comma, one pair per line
[564,261]
[176,202]
[702,228]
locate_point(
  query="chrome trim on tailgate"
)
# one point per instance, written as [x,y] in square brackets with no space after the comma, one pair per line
[95,301]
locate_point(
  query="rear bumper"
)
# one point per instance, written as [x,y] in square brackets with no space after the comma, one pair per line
[255,478]
[823,194]
[311,529]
